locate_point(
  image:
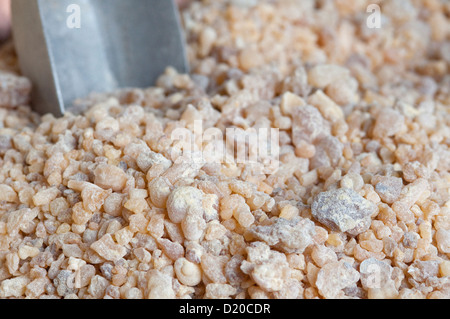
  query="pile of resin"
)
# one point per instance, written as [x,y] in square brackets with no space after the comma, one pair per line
[97,204]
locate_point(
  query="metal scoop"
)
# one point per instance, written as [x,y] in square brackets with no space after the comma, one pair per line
[70,48]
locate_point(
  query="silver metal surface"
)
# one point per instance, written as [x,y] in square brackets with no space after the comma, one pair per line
[119,44]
